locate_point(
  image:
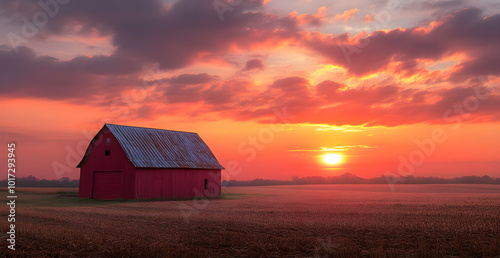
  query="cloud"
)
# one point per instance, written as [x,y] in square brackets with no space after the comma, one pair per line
[192,79]
[144,32]
[174,36]
[346,16]
[26,74]
[485,64]
[225,93]
[291,92]
[338,104]
[254,64]
[204,89]
[183,93]
[393,105]
[337,148]
[369,18]
[466,31]
[432,4]
[317,19]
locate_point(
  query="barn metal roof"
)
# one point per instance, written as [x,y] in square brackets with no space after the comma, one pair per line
[156,148]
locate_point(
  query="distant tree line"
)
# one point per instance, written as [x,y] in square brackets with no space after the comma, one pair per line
[352,179]
[32,181]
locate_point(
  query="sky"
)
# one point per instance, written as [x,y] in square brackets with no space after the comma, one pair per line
[272,86]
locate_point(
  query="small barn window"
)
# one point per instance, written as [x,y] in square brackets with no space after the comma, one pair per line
[206,183]
[107,152]
[108,141]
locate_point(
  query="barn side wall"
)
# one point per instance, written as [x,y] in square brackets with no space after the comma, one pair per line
[98,161]
[177,183]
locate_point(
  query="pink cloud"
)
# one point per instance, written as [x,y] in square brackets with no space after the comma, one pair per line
[466,31]
[347,15]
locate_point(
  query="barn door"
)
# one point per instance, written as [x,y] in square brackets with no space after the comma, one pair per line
[107,185]
[158,187]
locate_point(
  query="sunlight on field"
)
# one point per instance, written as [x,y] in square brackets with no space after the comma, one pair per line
[308,220]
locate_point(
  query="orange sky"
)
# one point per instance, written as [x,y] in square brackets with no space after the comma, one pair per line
[271,87]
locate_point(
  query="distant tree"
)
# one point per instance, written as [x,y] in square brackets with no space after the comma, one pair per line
[349,178]
[32,181]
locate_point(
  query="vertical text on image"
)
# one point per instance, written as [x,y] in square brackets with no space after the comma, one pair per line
[11,186]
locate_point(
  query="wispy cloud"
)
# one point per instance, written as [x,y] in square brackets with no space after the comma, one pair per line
[347,15]
[336,148]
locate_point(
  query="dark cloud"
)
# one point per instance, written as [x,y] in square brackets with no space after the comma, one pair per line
[183,93]
[89,15]
[378,50]
[191,88]
[105,65]
[432,4]
[173,36]
[176,36]
[329,89]
[192,79]
[26,74]
[254,64]
[144,32]
[484,65]
[225,93]
[466,31]
[291,92]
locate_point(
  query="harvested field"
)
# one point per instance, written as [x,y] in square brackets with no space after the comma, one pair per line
[312,220]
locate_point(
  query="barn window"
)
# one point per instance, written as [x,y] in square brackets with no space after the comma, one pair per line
[107,152]
[206,183]
[108,141]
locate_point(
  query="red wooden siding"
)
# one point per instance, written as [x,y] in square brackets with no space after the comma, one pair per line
[177,183]
[108,185]
[98,161]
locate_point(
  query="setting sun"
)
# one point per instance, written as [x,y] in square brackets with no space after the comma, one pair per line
[332,158]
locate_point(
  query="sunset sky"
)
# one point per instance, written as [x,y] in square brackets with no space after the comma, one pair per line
[272,86]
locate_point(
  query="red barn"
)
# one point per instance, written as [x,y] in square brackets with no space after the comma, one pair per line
[125,162]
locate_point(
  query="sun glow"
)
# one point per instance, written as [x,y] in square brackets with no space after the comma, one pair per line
[332,158]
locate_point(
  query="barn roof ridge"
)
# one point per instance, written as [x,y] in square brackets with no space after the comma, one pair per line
[151,128]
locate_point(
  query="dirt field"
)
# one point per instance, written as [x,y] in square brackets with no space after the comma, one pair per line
[313,220]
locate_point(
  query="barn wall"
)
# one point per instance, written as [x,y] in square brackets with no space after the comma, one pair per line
[97,161]
[177,183]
